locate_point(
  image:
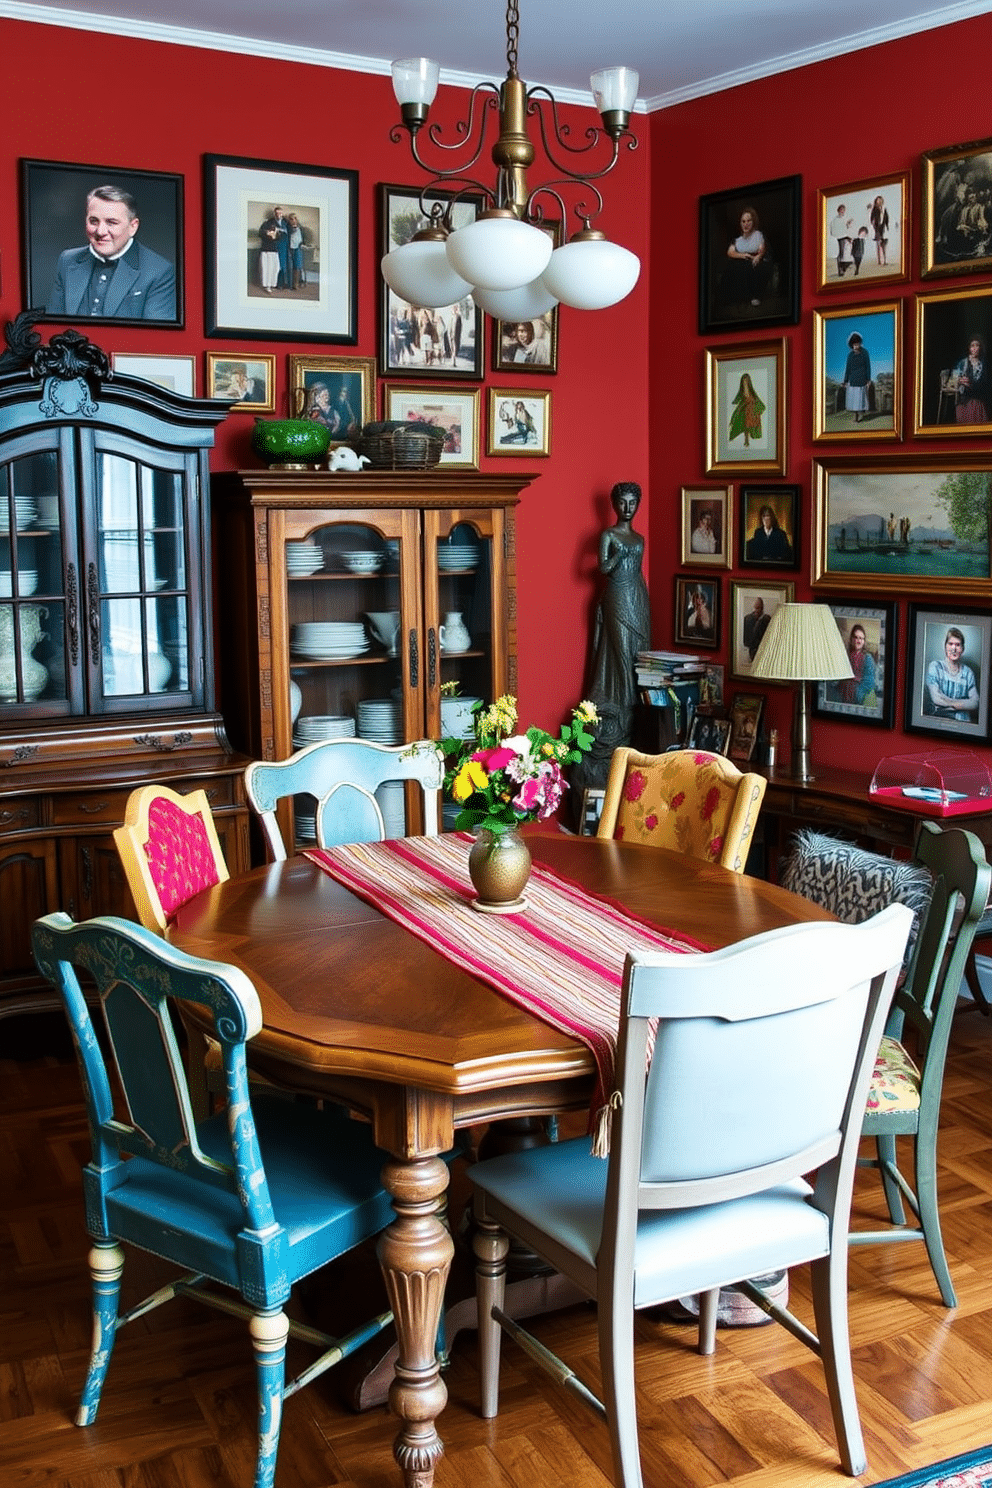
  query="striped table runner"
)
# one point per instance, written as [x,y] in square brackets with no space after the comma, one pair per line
[561,957]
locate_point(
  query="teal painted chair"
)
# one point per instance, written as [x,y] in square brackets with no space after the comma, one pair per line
[689,1206]
[247,1202]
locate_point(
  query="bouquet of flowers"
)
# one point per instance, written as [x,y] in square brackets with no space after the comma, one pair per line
[502,778]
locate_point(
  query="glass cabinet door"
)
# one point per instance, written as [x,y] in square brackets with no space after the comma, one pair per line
[465,626]
[32,581]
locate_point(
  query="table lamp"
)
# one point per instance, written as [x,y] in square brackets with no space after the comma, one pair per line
[802,644]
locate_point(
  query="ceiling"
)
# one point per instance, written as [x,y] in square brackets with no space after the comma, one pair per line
[682,48]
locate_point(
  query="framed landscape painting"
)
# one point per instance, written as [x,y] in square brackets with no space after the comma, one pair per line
[869,634]
[864,232]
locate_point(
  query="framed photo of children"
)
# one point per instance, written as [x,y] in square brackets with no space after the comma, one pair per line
[338,392]
[947,673]
[869,634]
[707,526]
[749,256]
[519,422]
[769,526]
[752,606]
[697,612]
[957,210]
[745,409]
[857,373]
[864,232]
[953,371]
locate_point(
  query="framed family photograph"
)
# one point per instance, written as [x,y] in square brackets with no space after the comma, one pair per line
[904,526]
[280,251]
[953,392]
[752,606]
[857,372]
[519,422]
[102,241]
[707,526]
[769,526]
[415,341]
[697,612]
[746,409]
[708,732]
[453,409]
[947,673]
[864,232]
[869,633]
[957,209]
[745,724]
[248,383]
[177,373]
[338,392]
[749,256]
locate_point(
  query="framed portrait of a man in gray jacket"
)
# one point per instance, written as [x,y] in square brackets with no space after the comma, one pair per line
[102,243]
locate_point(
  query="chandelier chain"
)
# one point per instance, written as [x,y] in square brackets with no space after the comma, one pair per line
[512,36]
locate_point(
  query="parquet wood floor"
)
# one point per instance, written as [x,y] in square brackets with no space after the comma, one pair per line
[178,1408]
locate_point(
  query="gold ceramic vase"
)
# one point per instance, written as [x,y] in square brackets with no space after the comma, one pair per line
[499,866]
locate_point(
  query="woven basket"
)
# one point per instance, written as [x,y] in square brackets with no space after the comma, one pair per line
[399,445]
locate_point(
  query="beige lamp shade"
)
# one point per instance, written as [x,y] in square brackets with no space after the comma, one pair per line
[802,644]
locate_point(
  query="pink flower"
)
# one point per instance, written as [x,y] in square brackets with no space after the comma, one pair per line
[715,848]
[635,785]
[651,822]
[677,800]
[712,802]
[494,759]
[529,796]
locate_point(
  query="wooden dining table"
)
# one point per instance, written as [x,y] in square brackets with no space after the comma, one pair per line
[359,1010]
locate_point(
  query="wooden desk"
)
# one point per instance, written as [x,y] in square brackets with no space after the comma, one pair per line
[357,1009]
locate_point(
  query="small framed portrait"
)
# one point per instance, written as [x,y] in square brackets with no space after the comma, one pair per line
[177,373]
[102,242]
[526,345]
[864,232]
[453,409]
[338,392]
[749,256]
[248,383]
[857,372]
[947,673]
[745,724]
[709,733]
[414,341]
[769,526]
[869,633]
[519,422]
[707,526]
[280,255]
[957,209]
[697,612]
[746,409]
[953,393]
[752,606]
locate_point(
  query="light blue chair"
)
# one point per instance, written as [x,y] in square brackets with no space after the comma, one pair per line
[254,1198]
[342,776]
[704,1183]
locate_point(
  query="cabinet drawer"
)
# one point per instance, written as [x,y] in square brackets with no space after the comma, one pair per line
[109,805]
[20,814]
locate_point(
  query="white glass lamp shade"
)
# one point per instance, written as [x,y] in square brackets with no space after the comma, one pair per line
[415,80]
[526,303]
[591,274]
[802,644]
[615,89]
[499,252]
[420,273]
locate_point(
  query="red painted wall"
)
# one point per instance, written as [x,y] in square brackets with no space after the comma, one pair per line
[844,120]
[81,97]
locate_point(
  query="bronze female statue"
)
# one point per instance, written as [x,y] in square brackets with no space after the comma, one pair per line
[623,616]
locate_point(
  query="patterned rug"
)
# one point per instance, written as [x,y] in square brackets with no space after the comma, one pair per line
[973,1470]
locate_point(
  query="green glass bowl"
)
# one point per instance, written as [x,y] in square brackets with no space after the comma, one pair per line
[290,441]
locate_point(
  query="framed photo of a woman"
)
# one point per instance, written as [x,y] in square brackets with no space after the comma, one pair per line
[947,680]
[745,409]
[338,392]
[749,256]
[707,526]
[857,372]
[953,365]
[519,422]
[868,696]
[864,232]
[697,612]
[957,210]
[769,526]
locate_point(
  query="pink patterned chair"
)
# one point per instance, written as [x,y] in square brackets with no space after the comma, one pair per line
[169,850]
[687,800]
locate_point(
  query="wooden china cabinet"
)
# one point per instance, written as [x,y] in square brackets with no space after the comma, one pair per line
[321,571]
[106,632]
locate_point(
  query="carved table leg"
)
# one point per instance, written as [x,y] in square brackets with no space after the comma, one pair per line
[415,1254]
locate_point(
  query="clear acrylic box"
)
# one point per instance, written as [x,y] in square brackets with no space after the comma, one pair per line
[943,782]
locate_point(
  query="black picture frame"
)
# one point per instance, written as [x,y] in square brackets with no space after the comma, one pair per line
[55,254]
[238,192]
[687,633]
[928,634]
[774,546]
[708,732]
[840,700]
[726,298]
[408,346]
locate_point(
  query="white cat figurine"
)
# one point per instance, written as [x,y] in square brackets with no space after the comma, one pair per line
[344,458]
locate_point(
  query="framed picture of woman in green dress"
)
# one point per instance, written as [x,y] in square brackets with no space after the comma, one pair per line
[745,409]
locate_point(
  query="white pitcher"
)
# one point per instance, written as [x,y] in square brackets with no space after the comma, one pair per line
[34,673]
[453,634]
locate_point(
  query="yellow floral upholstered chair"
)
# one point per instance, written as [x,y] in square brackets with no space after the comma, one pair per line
[687,800]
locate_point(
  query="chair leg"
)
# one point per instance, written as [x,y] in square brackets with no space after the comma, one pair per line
[492,1246]
[925,1173]
[885,1148]
[106,1269]
[708,1304]
[616,1357]
[269,1331]
[829,1285]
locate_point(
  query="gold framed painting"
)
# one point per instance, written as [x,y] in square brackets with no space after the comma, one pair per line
[953,387]
[453,409]
[753,602]
[248,383]
[707,526]
[337,392]
[957,210]
[519,422]
[864,232]
[746,409]
[857,373]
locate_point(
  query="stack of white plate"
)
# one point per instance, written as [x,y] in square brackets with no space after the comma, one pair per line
[303,558]
[392,804]
[317,726]
[305,819]
[328,640]
[25,513]
[363,560]
[380,720]
[453,556]
[27,582]
[48,511]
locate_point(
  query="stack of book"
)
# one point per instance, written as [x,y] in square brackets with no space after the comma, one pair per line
[659,670]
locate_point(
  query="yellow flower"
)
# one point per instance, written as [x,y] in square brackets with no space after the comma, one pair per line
[470,778]
[587,712]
